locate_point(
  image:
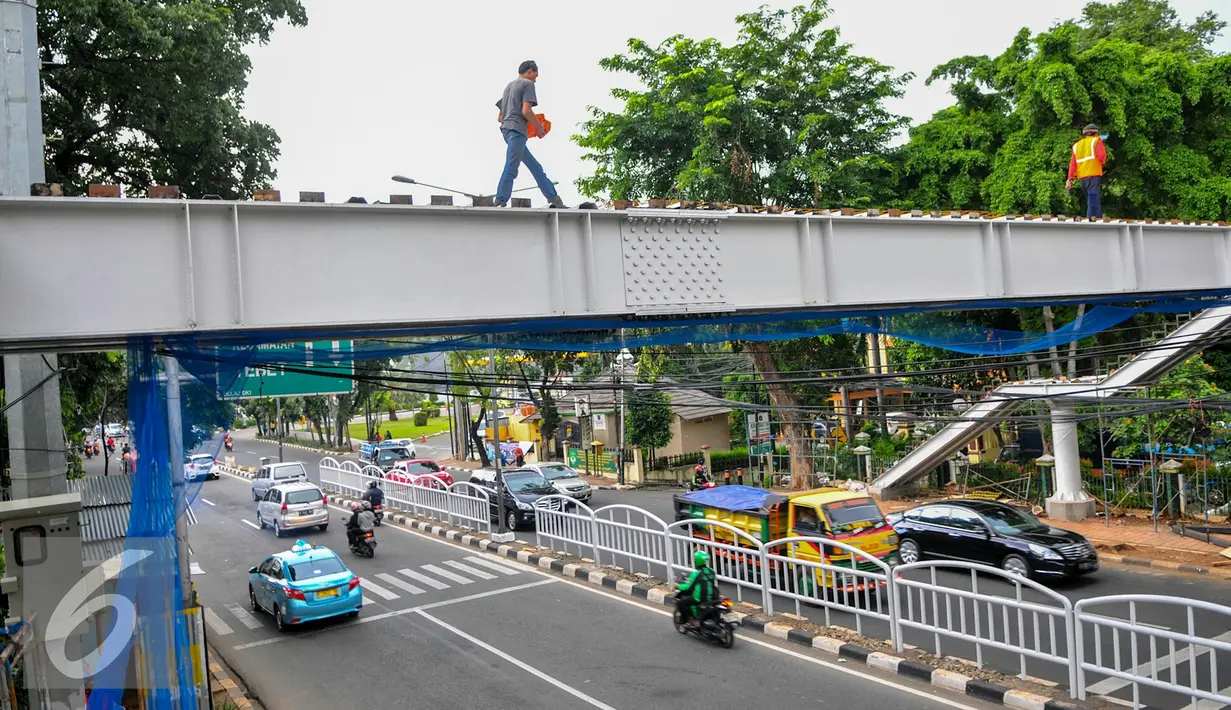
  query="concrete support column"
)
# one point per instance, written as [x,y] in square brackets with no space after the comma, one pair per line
[36,430]
[1070,501]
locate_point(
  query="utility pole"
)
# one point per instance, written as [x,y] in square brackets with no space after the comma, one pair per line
[493,417]
[278,423]
[175,432]
[36,429]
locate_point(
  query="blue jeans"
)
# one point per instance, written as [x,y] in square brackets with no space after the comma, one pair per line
[514,156]
[1092,186]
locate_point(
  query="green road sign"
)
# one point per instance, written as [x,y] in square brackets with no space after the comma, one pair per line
[272,381]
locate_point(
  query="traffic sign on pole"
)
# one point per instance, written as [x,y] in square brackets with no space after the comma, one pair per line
[272,380]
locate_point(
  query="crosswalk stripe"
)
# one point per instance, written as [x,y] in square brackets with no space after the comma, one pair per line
[216,624]
[405,586]
[370,586]
[470,570]
[1149,668]
[244,617]
[433,583]
[447,574]
[492,564]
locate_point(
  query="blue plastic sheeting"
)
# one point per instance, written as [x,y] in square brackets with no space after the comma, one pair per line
[916,325]
[731,497]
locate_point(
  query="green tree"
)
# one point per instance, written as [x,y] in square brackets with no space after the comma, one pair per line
[1180,425]
[145,93]
[788,114]
[93,390]
[1149,81]
[648,419]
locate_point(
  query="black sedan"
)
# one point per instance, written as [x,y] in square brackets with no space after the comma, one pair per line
[993,534]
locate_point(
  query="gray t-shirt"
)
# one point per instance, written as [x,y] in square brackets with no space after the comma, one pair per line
[516,93]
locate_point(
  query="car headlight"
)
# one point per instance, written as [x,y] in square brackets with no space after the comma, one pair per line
[1045,552]
[524,506]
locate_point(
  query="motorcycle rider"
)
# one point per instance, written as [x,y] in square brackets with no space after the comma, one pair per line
[228,441]
[701,587]
[374,496]
[362,520]
[699,476]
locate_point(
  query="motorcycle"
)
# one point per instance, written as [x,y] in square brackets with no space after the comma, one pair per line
[715,622]
[89,451]
[363,546]
[380,513]
[700,480]
[229,444]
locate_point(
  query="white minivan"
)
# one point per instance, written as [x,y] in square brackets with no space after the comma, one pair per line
[276,474]
[293,506]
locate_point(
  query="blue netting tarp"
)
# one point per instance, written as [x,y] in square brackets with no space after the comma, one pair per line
[733,498]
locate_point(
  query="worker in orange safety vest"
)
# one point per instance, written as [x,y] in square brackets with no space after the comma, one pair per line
[1086,166]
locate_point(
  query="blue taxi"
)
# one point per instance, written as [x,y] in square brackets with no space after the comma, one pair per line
[305,583]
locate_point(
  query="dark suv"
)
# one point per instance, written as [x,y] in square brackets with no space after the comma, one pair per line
[522,489]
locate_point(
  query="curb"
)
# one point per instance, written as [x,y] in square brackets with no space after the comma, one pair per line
[289,445]
[223,688]
[846,652]
[1140,562]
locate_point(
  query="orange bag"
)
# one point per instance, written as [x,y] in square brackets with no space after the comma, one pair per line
[532,131]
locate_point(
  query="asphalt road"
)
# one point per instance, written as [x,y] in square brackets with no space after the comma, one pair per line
[448,627]
[1109,580]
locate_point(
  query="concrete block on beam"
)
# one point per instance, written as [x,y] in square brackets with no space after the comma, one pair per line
[523,202]
[104,191]
[401,199]
[483,202]
[658,203]
[311,196]
[43,189]
[164,192]
[267,196]
[442,200]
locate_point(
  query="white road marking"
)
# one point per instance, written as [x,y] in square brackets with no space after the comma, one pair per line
[252,453]
[434,583]
[593,702]
[447,574]
[370,586]
[1149,669]
[470,570]
[400,584]
[251,524]
[492,564]
[207,501]
[399,612]
[244,617]
[216,624]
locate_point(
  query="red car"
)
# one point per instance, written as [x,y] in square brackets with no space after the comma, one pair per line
[413,472]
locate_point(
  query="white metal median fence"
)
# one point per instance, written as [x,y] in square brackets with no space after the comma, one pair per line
[1027,628]
[632,537]
[566,525]
[735,556]
[1184,662]
[463,504]
[801,571]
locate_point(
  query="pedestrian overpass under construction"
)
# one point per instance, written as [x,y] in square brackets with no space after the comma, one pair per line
[212,268]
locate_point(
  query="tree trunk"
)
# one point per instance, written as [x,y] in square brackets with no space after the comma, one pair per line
[788,403]
[1049,322]
[474,436]
[1081,311]
[393,411]
[1032,368]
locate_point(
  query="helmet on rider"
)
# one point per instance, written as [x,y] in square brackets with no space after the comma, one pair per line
[700,559]
[367,505]
[371,484]
[355,506]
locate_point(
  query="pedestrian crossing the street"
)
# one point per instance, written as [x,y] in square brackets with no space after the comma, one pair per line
[386,586]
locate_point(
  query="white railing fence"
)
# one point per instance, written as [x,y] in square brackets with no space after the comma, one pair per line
[1028,628]
[1150,655]
[462,504]
[973,609]
[801,570]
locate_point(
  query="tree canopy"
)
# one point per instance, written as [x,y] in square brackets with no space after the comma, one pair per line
[145,93]
[1132,68]
[788,114]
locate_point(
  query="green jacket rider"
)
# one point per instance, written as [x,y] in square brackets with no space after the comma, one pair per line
[700,587]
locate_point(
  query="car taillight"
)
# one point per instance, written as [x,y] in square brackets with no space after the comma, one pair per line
[354,582]
[284,507]
[295,594]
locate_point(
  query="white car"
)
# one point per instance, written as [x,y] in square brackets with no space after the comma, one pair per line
[200,467]
[565,480]
[276,474]
[115,431]
[293,506]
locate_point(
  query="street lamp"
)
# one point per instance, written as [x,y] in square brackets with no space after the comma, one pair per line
[624,359]
[1045,463]
[865,453]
